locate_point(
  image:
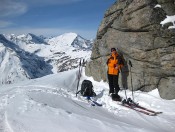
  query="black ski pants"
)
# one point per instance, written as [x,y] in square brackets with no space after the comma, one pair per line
[113,84]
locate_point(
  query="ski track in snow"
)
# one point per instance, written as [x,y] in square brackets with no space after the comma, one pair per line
[4,125]
[40,103]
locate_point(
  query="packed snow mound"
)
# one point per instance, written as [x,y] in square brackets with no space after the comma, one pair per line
[49,104]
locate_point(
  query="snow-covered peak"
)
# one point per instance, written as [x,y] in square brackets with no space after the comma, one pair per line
[64,39]
[71,40]
[82,43]
[35,39]
[26,38]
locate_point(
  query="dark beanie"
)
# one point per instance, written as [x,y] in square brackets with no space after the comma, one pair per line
[113,49]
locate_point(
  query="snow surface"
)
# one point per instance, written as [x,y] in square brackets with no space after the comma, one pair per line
[49,104]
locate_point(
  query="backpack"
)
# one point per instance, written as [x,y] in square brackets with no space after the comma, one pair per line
[87,89]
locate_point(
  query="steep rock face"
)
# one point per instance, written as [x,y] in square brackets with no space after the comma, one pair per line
[133,27]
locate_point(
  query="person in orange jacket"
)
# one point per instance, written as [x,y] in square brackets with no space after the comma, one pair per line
[114,66]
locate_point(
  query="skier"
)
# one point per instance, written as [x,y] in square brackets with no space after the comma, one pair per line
[114,66]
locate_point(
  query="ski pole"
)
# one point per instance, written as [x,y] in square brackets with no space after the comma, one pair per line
[130,64]
[125,93]
[125,90]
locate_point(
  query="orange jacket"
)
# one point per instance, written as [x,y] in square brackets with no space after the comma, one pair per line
[113,66]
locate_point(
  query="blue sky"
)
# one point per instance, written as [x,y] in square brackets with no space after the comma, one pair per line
[52,17]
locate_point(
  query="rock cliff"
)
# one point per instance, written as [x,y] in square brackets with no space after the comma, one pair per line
[134,28]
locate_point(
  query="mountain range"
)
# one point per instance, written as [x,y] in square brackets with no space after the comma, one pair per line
[30,56]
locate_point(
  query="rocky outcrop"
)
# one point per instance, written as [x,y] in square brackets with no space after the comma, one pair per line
[133,27]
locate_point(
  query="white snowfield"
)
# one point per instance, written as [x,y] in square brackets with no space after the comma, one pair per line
[49,104]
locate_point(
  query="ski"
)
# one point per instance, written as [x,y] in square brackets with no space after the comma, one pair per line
[93,102]
[96,103]
[132,103]
[139,110]
[146,109]
[136,107]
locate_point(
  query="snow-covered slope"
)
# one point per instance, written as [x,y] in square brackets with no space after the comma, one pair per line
[49,104]
[30,56]
[17,64]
